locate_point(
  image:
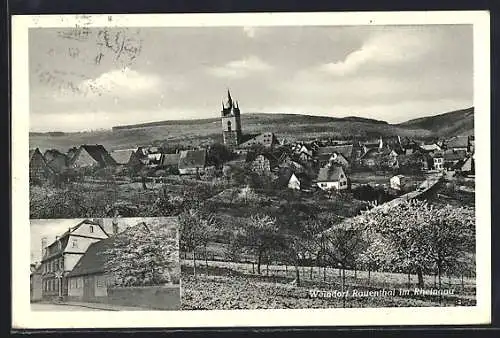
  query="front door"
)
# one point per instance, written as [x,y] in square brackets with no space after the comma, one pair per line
[88,287]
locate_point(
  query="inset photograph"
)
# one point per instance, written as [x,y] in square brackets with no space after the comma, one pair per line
[104,264]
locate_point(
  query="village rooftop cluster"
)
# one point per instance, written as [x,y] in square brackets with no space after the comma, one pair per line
[324,164]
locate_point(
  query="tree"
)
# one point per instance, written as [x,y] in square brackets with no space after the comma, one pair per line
[236,243]
[344,243]
[218,154]
[300,242]
[143,255]
[261,234]
[195,228]
[418,237]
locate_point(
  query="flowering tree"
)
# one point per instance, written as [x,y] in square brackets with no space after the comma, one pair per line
[196,228]
[344,243]
[143,255]
[416,236]
[261,234]
[300,242]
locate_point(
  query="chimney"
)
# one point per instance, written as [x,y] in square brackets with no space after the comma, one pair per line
[44,245]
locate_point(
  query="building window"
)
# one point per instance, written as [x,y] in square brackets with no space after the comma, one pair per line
[228,125]
[91,228]
[74,243]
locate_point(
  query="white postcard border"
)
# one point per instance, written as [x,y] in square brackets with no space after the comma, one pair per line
[23,317]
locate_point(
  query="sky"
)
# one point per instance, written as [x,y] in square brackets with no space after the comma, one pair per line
[98,78]
[50,228]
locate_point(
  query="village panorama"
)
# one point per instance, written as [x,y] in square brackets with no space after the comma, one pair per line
[274,208]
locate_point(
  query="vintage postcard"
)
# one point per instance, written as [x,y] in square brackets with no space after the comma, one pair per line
[251,169]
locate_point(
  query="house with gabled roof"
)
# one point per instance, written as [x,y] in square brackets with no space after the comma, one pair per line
[453,157]
[331,177]
[56,160]
[260,163]
[266,140]
[458,143]
[397,182]
[367,146]
[39,171]
[467,166]
[344,152]
[91,156]
[90,278]
[122,156]
[290,179]
[170,161]
[302,152]
[61,256]
[430,147]
[438,160]
[192,162]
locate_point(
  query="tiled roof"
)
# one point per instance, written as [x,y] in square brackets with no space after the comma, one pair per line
[32,151]
[458,142]
[37,155]
[170,160]
[94,259]
[122,156]
[58,163]
[345,150]
[430,147]
[98,153]
[454,155]
[55,249]
[265,139]
[329,173]
[192,159]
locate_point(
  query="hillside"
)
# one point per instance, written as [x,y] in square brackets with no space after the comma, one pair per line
[459,122]
[288,126]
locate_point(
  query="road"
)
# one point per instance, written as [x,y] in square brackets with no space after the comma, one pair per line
[59,307]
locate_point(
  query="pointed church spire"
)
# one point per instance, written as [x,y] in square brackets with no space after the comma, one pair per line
[229,99]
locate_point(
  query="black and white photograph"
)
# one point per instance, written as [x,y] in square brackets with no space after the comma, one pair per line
[328,165]
[104,264]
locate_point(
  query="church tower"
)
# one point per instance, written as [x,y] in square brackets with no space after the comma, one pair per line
[231,122]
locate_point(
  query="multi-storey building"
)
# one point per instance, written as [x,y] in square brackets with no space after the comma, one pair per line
[60,257]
